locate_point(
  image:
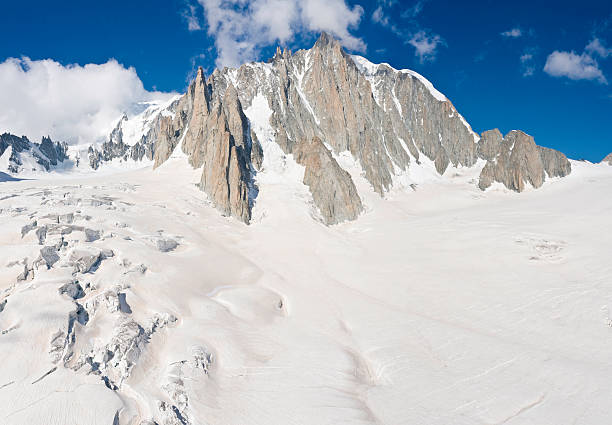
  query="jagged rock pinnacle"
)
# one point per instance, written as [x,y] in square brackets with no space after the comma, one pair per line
[326,40]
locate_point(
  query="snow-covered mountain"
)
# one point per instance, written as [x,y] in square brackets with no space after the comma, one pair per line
[439,296]
[310,108]
[132,139]
[388,121]
[19,156]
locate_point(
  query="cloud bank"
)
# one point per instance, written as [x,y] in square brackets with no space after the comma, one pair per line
[241,28]
[72,103]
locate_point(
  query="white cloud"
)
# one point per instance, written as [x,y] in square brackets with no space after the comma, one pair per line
[335,17]
[241,28]
[379,17]
[513,33]
[73,103]
[425,45]
[527,64]
[574,66]
[190,15]
[596,47]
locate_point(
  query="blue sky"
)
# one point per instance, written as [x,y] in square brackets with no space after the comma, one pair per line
[524,65]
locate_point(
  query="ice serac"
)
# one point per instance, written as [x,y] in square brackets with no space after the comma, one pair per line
[332,188]
[515,160]
[607,159]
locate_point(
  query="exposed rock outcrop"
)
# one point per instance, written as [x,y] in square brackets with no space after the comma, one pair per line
[387,119]
[518,160]
[555,163]
[27,156]
[216,138]
[332,188]
[384,117]
[607,159]
[490,144]
[156,125]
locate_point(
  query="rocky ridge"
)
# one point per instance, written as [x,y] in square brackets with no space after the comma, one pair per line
[24,155]
[323,102]
[147,128]
[607,159]
[332,188]
[515,160]
[322,98]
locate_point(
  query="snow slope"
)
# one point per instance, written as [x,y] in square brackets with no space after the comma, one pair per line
[442,305]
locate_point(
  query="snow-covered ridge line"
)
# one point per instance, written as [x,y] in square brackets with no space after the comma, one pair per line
[369,68]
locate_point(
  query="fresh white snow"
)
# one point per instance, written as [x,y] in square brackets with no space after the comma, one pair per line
[282,195]
[440,305]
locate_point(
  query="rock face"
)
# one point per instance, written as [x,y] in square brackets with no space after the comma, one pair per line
[608,159]
[332,188]
[387,119]
[555,163]
[27,156]
[216,136]
[515,160]
[489,144]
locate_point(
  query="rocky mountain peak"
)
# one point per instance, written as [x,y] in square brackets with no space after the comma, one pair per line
[319,103]
[516,160]
[279,55]
[608,159]
[25,156]
[326,41]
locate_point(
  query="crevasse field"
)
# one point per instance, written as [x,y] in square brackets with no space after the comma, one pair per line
[441,304]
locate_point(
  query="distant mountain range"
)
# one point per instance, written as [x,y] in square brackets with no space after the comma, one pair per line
[19,154]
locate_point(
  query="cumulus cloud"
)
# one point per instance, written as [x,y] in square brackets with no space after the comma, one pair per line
[582,66]
[241,28]
[513,33]
[425,45]
[574,66]
[73,103]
